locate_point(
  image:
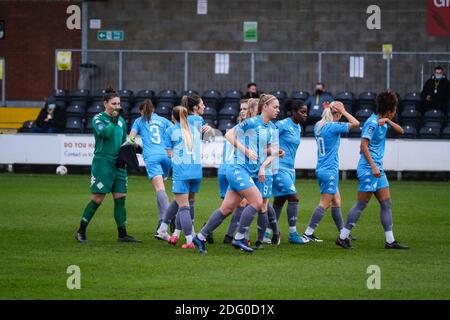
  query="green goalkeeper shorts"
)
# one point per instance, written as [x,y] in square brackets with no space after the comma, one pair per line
[106,177]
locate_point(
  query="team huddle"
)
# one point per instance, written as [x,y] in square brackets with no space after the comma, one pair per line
[257,164]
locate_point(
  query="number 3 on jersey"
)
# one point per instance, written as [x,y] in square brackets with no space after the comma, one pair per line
[321,146]
[156,137]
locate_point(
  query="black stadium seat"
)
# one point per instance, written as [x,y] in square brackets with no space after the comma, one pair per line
[145,94]
[209,113]
[229,111]
[232,96]
[164,109]
[300,95]
[76,109]
[126,95]
[434,115]
[167,96]
[429,133]
[98,95]
[346,97]
[363,114]
[74,125]
[446,132]
[225,125]
[95,108]
[366,100]
[410,116]
[212,98]
[80,95]
[410,132]
[211,122]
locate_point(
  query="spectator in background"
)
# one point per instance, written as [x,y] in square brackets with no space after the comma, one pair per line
[436,91]
[51,119]
[252,91]
[320,99]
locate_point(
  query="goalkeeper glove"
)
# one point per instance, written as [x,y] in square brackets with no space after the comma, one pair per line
[115,117]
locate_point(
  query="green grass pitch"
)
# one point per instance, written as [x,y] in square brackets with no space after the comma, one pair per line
[40,214]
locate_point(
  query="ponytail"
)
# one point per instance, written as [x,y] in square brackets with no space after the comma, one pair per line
[180,114]
[189,102]
[148,109]
[252,106]
[263,100]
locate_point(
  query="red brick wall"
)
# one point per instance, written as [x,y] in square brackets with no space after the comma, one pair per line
[34,29]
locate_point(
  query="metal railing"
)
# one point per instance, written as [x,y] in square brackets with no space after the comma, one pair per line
[271,70]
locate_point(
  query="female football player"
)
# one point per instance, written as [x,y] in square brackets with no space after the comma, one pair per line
[110,132]
[152,128]
[371,176]
[252,140]
[183,144]
[327,132]
[289,131]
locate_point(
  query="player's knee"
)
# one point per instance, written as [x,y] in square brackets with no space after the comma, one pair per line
[279,201]
[386,204]
[292,198]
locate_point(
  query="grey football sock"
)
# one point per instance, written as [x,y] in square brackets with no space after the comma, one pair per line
[292,213]
[213,222]
[355,213]
[171,211]
[234,221]
[273,223]
[163,203]
[316,217]
[178,222]
[337,217]
[185,220]
[386,214]
[191,210]
[263,222]
[246,219]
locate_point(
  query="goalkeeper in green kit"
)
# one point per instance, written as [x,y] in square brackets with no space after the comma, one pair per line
[110,133]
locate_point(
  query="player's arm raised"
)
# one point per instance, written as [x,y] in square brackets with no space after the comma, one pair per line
[397,129]
[231,136]
[339,106]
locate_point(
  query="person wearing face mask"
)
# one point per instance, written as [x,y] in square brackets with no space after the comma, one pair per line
[51,119]
[436,91]
[320,99]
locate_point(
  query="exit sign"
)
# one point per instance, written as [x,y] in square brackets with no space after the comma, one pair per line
[110,35]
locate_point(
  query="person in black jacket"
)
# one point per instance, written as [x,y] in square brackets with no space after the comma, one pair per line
[51,119]
[252,91]
[436,91]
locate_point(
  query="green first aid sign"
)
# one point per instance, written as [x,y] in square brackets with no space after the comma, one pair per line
[250,31]
[110,35]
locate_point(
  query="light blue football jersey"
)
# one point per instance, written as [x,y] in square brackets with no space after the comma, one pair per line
[257,136]
[376,135]
[328,141]
[186,163]
[152,134]
[289,136]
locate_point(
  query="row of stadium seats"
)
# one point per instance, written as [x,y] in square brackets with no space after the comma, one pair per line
[428,131]
[222,112]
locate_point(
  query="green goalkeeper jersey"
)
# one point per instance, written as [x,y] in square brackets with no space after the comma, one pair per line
[108,136]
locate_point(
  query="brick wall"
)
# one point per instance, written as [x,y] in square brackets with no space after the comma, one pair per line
[34,29]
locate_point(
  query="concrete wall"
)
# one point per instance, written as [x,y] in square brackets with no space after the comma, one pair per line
[34,29]
[328,25]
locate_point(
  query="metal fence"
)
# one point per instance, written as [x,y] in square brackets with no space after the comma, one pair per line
[271,70]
